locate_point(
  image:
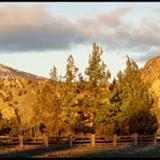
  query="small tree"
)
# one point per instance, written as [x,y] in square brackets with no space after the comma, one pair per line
[53,74]
[71,70]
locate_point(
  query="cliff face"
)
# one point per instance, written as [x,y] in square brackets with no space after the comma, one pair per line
[151,71]
[151,76]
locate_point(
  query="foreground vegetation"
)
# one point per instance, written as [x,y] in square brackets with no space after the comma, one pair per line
[89,103]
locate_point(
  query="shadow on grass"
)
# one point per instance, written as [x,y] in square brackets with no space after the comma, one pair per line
[144,151]
[31,152]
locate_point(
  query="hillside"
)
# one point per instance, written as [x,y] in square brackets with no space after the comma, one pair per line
[11,73]
[19,89]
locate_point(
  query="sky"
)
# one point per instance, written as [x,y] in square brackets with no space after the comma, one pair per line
[36,36]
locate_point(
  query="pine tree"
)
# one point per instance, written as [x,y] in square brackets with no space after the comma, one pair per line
[48,109]
[53,74]
[134,101]
[108,118]
[97,86]
[129,110]
[71,70]
[96,68]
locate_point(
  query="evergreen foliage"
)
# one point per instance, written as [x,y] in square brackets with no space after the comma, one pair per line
[53,74]
[89,104]
[71,70]
[48,109]
[131,102]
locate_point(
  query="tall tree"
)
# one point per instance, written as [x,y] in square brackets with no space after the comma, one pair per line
[97,85]
[129,110]
[134,101]
[96,70]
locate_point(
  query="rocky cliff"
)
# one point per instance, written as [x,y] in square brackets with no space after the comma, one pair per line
[151,77]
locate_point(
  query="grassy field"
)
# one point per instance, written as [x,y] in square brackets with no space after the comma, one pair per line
[120,151]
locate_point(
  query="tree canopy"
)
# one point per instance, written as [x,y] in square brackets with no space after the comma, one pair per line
[89,103]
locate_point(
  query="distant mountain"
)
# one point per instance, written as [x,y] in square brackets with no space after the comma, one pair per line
[11,73]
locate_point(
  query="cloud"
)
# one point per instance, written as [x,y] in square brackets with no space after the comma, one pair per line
[14,15]
[116,34]
[34,28]
[151,53]
[157,10]
[98,25]
[139,38]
